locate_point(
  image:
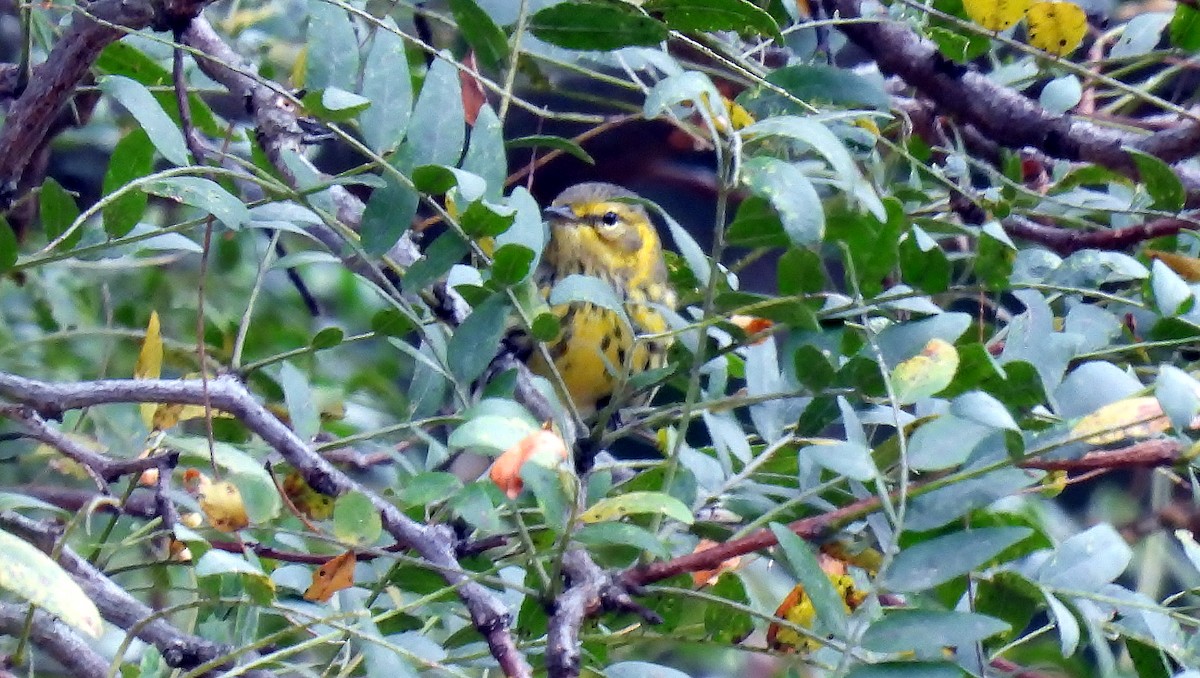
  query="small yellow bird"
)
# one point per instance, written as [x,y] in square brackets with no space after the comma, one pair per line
[593,232]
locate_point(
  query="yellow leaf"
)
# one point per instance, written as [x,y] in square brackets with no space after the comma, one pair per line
[1056,27]
[336,574]
[927,373]
[307,500]
[1188,268]
[221,502]
[996,15]
[149,363]
[1129,418]
[32,575]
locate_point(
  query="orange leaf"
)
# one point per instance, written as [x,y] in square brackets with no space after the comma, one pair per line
[752,325]
[543,447]
[703,578]
[336,574]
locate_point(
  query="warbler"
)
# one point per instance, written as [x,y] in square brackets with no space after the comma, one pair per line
[595,232]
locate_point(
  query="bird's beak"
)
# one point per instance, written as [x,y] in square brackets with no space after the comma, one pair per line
[559,213]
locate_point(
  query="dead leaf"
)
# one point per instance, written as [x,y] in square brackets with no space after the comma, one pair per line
[543,447]
[705,577]
[1188,268]
[752,325]
[149,363]
[1129,418]
[336,574]
[221,501]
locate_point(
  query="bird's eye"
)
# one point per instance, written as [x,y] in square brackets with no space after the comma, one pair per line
[609,219]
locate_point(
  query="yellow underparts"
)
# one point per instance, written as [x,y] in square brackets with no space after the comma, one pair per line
[596,349]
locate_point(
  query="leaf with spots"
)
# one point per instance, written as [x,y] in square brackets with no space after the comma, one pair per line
[1056,27]
[336,574]
[996,15]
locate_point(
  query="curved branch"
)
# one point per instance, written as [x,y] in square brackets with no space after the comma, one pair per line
[1065,241]
[56,639]
[33,113]
[179,649]
[999,113]
[434,543]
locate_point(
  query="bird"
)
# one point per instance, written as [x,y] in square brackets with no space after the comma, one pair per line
[597,229]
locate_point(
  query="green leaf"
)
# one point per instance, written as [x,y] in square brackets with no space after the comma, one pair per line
[58,211]
[906,670]
[802,561]
[586,289]
[27,572]
[791,194]
[936,561]
[849,459]
[549,141]
[723,623]
[391,322]
[356,520]
[439,179]
[1172,294]
[216,562]
[8,246]
[327,338]
[260,499]
[390,210]
[439,116]
[481,33]
[925,631]
[814,85]
[634,503]
[944,504]
[491,433]
[642,670]
[1160,180]
[132,158]
[472,347]
[445,251]
[485,156]
[1179,394]
[332,59]
[714,15]
[334,104]
[816,135]
[1185,27]
[136,99]
[1087,561]
[302,409]
[426,489]
[387,83]
[202,194]
[624,534]
[549,488]
[596,25]
[511,264]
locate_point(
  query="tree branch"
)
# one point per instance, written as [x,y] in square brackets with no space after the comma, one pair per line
[56,639]
[179,649]
[1000,114]
[434,543]
[34,112]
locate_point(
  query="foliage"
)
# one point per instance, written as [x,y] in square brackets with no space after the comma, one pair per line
[945,343]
